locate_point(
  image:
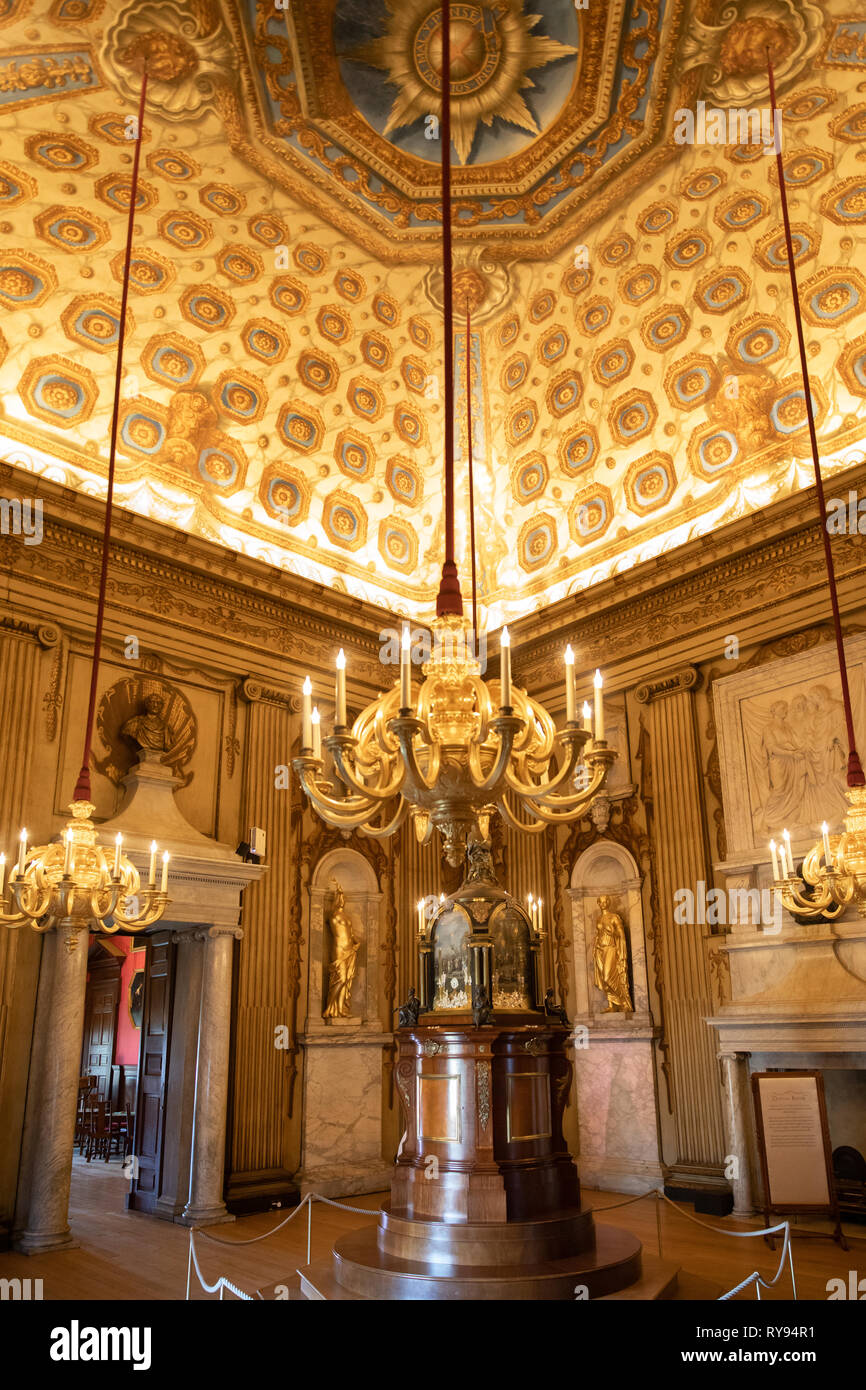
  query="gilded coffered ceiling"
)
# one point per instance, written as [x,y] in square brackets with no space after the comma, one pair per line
[633,371]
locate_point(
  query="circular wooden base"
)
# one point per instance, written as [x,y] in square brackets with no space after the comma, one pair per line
[609,1262]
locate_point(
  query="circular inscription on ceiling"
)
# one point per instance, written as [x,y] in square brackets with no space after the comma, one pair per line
[513,66]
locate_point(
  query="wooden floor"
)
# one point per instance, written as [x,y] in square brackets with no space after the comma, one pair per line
[124,1255]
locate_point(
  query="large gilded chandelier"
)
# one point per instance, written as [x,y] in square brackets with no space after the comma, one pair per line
[455,749]
[833,872]
[69,884]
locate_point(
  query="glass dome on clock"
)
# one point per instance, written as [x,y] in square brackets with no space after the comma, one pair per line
[480,942]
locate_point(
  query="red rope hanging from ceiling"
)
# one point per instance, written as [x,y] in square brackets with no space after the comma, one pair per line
[855,769]
[82,786]
[471,472]
[449,601]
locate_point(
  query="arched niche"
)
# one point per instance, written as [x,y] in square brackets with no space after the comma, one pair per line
[607,868]
[358,880]
[615,1060]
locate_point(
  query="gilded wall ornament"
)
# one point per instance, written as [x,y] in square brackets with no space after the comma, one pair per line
[734,52]
[480,283]
[187,51]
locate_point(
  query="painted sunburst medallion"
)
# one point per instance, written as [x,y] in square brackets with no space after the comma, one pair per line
[494,49]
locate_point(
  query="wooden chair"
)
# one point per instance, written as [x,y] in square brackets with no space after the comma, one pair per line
[121,1133]
[98,1140]
[86,1088]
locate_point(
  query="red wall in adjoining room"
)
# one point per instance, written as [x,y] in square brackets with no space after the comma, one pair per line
[128,1037]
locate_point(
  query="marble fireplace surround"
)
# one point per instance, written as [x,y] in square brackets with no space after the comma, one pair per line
[796,1000]
[789,996]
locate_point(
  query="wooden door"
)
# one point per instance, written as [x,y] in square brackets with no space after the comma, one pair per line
[153,1062]
[100,1023]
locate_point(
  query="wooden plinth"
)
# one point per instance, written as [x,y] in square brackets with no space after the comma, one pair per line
[485,1198]
[362,1269]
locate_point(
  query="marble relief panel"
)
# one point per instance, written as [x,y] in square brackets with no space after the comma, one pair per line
[782,745]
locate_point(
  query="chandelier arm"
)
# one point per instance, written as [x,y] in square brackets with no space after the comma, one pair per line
[381,833]
[352,805]
[578,798]
[18,888]
[507,727]
[509,817]
[575,742]
[347,775]
[404,732]
[548,816]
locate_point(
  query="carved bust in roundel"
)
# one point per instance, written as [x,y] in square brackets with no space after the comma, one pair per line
[145,714]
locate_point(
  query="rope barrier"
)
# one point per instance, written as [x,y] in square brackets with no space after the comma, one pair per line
[222,1282]
[783,1229]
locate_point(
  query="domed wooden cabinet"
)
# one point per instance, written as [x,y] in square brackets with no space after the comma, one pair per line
[485,1198]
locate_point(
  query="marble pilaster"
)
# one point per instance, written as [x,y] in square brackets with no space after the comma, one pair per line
[681,854]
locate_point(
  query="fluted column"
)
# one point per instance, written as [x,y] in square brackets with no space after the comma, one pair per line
[682,861]
[42,1221]
[269,965]
[207,1167]
[20,948]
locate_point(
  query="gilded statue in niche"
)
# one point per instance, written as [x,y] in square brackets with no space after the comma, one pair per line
[344,960]
[610,959]
[149,715]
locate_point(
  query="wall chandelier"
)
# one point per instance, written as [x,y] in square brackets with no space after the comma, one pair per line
[455,749]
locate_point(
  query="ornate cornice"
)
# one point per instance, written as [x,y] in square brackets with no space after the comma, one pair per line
[737,572]
[191,585]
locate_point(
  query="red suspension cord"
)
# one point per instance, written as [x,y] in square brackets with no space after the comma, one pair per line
[449,601]
[82,786]
[855,769]
[471,472]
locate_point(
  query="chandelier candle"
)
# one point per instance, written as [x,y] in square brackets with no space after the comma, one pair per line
[787,859]
[307,715]
[340,716]
[775,861]
[825,839]
[316,723]
[570,691]
[405,669]
[505,669]
[118,841]
[599,708]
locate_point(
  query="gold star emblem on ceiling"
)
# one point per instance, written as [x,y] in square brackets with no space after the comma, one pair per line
[493,50]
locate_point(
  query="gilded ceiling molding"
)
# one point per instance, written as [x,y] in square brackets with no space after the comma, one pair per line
[187,49]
